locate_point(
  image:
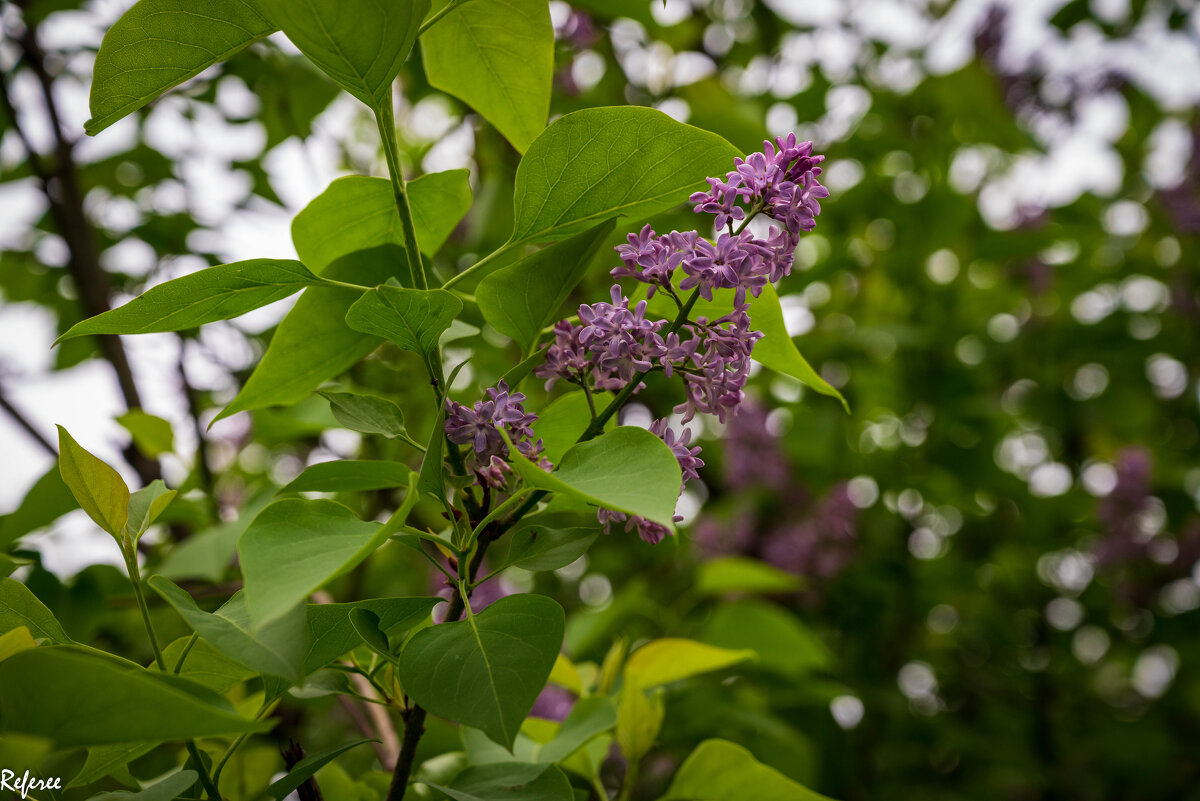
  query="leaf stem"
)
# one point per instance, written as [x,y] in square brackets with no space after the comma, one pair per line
[386,121]
[499,512]
[187,649]
[129,550]
[130,553]
[429,23]
[454,280]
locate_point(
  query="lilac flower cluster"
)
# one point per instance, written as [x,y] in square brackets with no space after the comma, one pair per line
[614,345]
[480,427]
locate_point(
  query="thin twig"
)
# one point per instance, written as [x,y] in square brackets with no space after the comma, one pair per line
[24,423]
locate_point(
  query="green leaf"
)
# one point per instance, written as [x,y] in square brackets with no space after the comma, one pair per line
[14,641]
[294,547]
[512,781]
[98,488]
[432,478]
[356,213]
[361,44]
[366,625]
[783,643]
[331,634]
[719,770]
[105,760]
[545,541]
[159,44]
[206,296]
[207,554]
[277,648]
[366,414]
[146,505]
[671,659]
[561,423]
[9,564]
[627,469]
[350,475]
[305,768]
[777,351]
[77,698]
[604,162]
[523,298]
[743,574]
[413,319]
[486,671]
[439,201]
[590,716]
[46,501]
[312,344]
[20,607]
[151,435]
[639,720]
[498,58]
[206,666]
[165,789]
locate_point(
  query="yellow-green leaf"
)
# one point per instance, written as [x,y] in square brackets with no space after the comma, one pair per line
[98,488]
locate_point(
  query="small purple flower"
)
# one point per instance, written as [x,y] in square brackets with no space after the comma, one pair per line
[479,426]
[722,200]
[648,530]
[680,444]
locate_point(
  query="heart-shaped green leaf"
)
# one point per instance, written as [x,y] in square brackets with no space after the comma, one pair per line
[294,547]
[486,671]
[627,469]
[359,212]
[159,44]
[361,44]
[497,57]
[413,319]
[622,161]
[366,414]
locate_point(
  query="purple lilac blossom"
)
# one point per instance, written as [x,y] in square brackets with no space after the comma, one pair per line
[479,426]
[613,346]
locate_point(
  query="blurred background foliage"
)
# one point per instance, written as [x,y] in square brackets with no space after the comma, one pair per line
[991,564]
